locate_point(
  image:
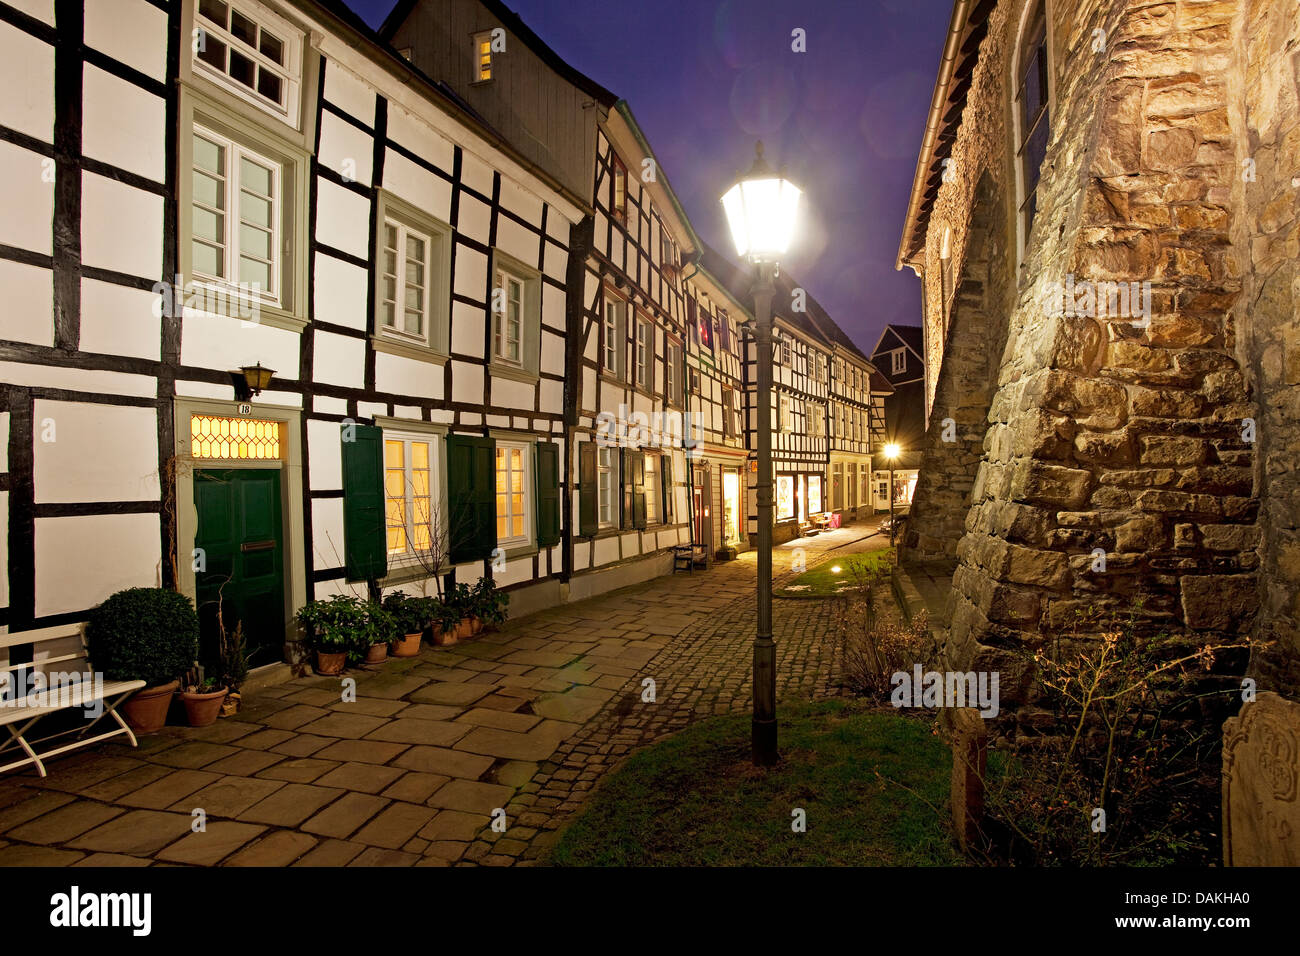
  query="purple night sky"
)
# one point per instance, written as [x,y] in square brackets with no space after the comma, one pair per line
[706,78]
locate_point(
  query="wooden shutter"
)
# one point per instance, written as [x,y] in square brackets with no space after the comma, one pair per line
[548,493]
[637,462]
[588,489]
[364,536]
[471,497]
[666,487]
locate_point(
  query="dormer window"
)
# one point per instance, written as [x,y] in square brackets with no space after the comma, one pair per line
[252,52]
[899,361]
[482,57]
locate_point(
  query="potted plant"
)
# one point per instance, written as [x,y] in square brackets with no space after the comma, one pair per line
[490,603]
[409,618]
[148,634]
[232,666]
[377,631]
[445,620]
[335,629]
[461,600]
[202,697]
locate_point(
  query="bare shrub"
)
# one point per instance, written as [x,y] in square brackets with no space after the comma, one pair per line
[873,646]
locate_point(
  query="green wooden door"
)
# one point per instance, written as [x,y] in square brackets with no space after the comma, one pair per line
[242,540]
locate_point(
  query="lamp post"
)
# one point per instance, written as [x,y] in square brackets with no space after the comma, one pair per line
[891,452]
[760,210]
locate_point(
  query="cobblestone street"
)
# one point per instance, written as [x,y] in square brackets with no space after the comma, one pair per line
[527,719]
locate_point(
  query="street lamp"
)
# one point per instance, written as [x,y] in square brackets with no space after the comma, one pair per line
[891,452]
[761,209]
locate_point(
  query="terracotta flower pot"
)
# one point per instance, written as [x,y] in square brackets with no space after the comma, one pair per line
[468,627]
[377,654]
[146,710]
[443,636]
[329,664]
[407,645]
[202,709]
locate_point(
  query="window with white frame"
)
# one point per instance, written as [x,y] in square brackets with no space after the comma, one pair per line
[785,352]
[898,361]
[251,51]
[607,486]
[508,310]
[482,57]
[785,414]
[644,352]
[816,421]
[724,330]
[652,488]
[514,496]
[409,471]
[673,374]
[236,216]
[612,344]
[405,273]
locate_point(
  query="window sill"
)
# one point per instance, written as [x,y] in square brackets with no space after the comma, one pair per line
[250,312]
[404,573]
[514,372]
[421,353]
[607,376]
[520,551]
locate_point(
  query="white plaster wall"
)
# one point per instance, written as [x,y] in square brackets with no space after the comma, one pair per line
[341,292]
[346,149]
[422,140]
[27,77]
[327,532]
[466,383]
[405,376]
[349,92]
[512,394]
[119,320]
[476,174]
[466,330]
[79,380]
[130,31]
[417,185]
[339,360]
[123,125]
[342,218]
[474,218]
[517,240]
[471,273]
[121,227]
[98,452]
[325,453]
[27,198]
[82,560]
[28,311]
[221,342]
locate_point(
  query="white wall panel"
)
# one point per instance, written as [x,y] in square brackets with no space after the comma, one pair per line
[406,376]
[422,140]
[466,383]
[517,241]
[123,125]
[82,560]
[121,227]
[341,292]
[512,394]
[27,198]
[342,218]
[474,218]
[218,341]
[327,532]
[346,90]
[471,273]
[27,78]
[28,311]
[98,452]
[119,320]
[419,187]
[339,360]
[130,31]
[345,149]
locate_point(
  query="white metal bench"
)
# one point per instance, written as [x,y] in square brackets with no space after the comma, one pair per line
[57,650]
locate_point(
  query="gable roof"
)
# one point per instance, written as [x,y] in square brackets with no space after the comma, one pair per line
[910,336]
[512,22]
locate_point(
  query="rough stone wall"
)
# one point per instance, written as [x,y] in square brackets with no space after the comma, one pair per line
[1269,236]
[1105,434]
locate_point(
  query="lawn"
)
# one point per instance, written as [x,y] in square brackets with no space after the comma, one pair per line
[822,580]
[695,799]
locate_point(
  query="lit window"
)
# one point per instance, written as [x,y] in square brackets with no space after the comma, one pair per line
[651,488]
[234,438]
[409,518]
[508,318]
[482,57]
[644,351]
[405,281]
[251,51]
[513,505]
[235,215]
[607,486]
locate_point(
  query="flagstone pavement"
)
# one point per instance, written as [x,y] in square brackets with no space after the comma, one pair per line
[524,720]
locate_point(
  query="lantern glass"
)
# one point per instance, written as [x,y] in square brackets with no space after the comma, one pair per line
[761,213]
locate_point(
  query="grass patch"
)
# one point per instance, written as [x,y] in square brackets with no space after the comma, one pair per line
[820,581]
[695,799]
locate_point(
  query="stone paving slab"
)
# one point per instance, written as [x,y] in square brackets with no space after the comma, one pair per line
[526,719]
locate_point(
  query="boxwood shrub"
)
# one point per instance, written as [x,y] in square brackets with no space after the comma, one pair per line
[148,634]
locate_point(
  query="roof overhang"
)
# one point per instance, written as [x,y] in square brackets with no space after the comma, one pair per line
[966,29]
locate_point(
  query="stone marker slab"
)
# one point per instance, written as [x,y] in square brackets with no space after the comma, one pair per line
[970,750]
[1261,784]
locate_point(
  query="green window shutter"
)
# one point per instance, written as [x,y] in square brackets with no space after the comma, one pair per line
[637,462]
[471,497]
[587,490]
[364,543]
[548,493]
[667,494]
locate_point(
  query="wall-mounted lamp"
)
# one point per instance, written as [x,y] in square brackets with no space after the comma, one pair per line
[255,378]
